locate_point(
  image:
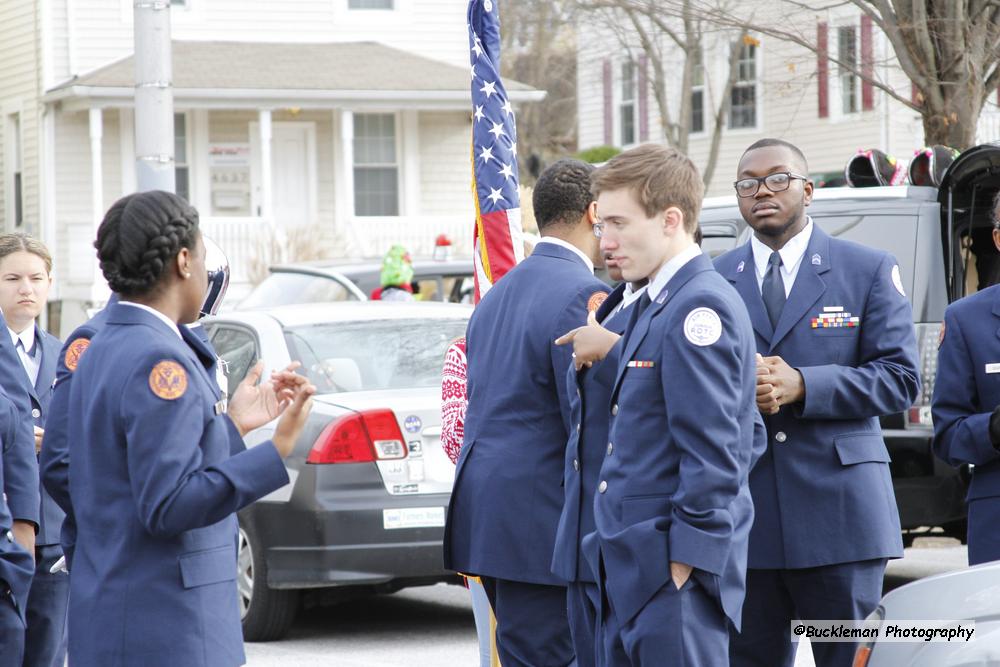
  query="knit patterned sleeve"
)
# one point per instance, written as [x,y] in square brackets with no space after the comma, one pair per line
[453,400]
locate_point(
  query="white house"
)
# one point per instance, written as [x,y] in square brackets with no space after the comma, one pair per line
[347,118]
[781,90]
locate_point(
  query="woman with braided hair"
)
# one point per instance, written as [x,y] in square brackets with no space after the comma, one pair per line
[158,469]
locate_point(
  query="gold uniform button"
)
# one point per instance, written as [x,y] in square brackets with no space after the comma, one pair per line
[602,487]
[576,464]
[780,436]
[611,448]
[614,409]
[36,413]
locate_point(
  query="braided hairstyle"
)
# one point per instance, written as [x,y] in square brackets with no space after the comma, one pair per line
[140,235]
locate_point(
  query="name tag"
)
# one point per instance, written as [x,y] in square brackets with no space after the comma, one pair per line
[993,368]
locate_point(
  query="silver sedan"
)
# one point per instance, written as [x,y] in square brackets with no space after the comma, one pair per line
[365,509]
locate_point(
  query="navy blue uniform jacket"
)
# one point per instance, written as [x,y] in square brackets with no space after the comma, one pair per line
[20,481]
[589,399]
[54,458]
[508,483]
[40,393]
[967,389]
[154,489]
[822,491]
[682,436]
[17,568]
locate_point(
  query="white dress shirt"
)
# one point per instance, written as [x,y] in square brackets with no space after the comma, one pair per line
[628,298]
[163,318]
[670,269]
[791,256]
[25,345]
[569,246]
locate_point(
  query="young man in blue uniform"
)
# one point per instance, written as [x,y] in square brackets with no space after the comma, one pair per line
[585,452]
[966,406]
[672,508]
[835,332]
[507,496]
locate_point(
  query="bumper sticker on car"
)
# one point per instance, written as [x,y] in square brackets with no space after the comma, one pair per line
[413,517]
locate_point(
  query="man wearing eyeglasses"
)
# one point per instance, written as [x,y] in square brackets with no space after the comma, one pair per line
[837,350]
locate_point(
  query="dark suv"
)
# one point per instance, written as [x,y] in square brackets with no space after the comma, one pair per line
[941,238]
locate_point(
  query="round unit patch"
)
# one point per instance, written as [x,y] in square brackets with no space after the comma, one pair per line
[74,352]
[168,380]
[897,281]
[702,327]
[595,301]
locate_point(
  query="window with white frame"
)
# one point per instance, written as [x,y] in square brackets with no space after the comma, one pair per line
[627,105]
[182,173]
[370,4]
[847,67]
[13,186]
[179,3]
[743,98]
[697,92]
[376,166]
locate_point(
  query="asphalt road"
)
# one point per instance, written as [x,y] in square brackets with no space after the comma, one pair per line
[433,627]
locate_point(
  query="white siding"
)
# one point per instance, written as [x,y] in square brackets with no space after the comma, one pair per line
[102,31]
[787,104]
[18,77]
[445,165]
[74,256]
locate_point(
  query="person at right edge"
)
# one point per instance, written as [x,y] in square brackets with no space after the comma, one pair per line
[508,492]
[835,335]
[966,406]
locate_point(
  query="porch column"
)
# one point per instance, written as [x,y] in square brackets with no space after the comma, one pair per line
[344,169]
[266,200]
[99,288]
[198,161]
[411,163]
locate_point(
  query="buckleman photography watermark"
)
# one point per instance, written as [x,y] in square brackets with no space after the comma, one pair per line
[885,631]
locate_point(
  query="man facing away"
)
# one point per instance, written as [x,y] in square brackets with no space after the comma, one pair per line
[672,508]
[508,484]
[835,332]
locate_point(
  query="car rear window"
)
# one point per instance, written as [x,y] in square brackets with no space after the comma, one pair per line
[283,289]
[374,355]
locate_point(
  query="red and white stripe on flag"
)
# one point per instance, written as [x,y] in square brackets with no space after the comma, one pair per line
[498,241]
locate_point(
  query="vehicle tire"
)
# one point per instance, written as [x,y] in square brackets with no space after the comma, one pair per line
[266,613]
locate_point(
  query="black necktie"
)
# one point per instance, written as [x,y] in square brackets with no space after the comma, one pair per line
[773,289]
[637,311]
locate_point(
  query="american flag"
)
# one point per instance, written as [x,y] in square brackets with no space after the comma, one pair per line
[498,240]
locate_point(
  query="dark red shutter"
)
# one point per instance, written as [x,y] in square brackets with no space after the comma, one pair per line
[822,71]
[867,65]
[608,110]
[643,98]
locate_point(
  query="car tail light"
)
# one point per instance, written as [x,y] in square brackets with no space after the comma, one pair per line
[864,651]
[928,336]
[360,437]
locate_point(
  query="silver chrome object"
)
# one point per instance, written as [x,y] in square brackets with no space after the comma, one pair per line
[218,277]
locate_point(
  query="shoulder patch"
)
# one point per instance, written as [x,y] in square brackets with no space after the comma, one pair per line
[168,380]
[702,327]
[897,280]
[74,351]
[595,301]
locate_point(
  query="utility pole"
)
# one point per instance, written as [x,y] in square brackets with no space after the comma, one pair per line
[154,97]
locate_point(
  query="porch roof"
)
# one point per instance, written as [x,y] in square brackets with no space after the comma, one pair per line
[247,74]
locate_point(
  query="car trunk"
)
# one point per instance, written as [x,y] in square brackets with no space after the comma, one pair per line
[425,468]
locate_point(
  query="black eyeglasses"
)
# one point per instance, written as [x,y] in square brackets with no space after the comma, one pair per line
[778,182]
